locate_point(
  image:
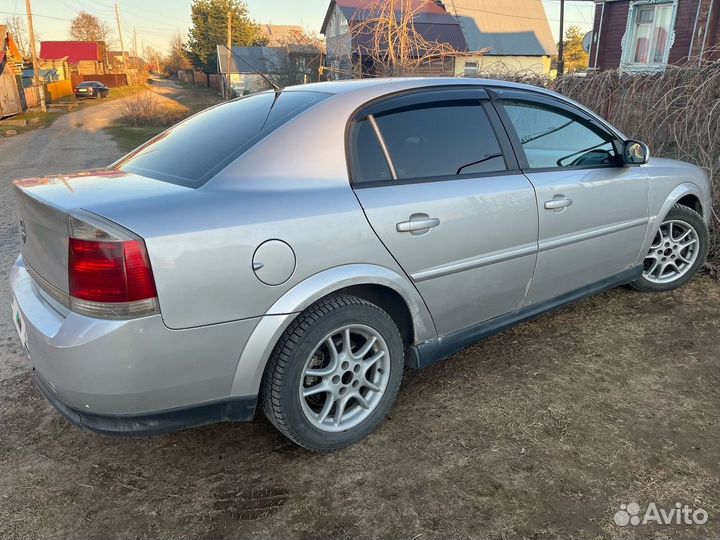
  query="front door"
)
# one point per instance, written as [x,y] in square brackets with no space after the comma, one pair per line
[440,186]
[593,210]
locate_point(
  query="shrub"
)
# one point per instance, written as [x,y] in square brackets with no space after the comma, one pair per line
[144,108]
[139,108]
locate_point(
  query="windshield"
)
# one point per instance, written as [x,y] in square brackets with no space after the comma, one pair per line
[195,150]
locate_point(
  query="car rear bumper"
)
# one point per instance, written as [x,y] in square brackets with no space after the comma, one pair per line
[132,375]
[231,410]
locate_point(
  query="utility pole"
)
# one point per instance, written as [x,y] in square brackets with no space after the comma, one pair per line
[561,47]
[228,92]
[122,45]
[36,67]
[135,51]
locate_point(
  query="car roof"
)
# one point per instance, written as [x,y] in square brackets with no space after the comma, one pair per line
[365,90]
[389,84]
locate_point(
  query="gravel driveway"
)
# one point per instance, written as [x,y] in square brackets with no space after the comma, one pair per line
[74,142]
[541,431]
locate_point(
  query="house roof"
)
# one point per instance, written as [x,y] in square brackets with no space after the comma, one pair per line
[506,27]
[252,59]
[281,34]
[432,21]
[76,51]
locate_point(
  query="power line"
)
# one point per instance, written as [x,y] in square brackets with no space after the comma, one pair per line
[516,16]
[37,15]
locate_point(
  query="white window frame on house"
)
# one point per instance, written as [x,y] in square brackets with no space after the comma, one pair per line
[471,69]
[635,24]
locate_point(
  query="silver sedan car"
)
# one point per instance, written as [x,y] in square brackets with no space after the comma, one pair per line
[297,250]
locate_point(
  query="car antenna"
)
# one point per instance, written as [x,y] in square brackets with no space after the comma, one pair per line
[275,86]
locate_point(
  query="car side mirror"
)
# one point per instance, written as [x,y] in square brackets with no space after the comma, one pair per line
[635,152]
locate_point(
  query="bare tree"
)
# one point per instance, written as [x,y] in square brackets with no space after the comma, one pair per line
[301,59]
[176,59]
[389,39]
[86,27]
[18,31]
[153,57]
[305,39]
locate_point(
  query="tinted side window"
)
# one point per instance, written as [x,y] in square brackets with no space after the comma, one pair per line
[193,151]
[368,162]
[441,139]
[428,140]
[555,138]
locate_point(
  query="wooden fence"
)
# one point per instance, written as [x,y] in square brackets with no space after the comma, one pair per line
[31,97]
[58,89]
[215,81]
[199,78]
[53,92]
[112,80]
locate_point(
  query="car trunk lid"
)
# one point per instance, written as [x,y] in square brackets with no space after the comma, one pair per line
[44,205]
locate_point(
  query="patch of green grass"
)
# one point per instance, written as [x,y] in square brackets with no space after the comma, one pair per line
[129,138]
[35,119]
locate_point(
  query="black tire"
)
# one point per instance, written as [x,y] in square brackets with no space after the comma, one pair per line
[280,397]
[695,220]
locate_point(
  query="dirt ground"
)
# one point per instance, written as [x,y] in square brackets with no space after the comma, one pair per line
[542,431]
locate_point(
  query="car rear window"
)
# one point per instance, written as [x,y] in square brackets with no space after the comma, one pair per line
[193,151]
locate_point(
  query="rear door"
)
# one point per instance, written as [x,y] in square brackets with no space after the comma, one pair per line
[437,178]
[593,210]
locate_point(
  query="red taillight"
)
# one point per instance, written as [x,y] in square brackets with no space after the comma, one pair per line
[110,271]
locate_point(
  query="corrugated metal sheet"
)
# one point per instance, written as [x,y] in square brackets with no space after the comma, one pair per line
[281,34]
[506,27]
[252,59]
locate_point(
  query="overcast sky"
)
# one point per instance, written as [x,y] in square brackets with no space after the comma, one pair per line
[157,20]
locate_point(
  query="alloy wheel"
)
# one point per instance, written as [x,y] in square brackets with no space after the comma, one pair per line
[672,253]
[344,378]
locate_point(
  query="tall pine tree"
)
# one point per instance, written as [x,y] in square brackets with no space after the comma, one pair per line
[576,59]
[209,29]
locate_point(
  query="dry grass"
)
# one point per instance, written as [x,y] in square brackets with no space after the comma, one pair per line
[149,110]
[139,108]
[539,432]
[145,108]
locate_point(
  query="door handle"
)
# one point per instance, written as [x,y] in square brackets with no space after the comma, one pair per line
[558,203]
[417,224]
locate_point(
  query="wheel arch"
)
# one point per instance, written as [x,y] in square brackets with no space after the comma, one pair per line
[391,291]
[687,194]
[692,201]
